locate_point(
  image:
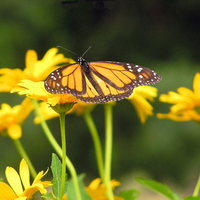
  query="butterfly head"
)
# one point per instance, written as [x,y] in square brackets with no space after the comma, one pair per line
[81,60]
[83,63]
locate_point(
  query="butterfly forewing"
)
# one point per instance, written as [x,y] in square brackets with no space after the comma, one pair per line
[127,76]
[67,79]
[139,75]
[111,75]
[99,82]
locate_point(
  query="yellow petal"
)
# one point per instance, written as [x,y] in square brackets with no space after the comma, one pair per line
[118,198]
[5,108]
[24,174]
[46,183]
[172,97]
[193,115]
[45,66]
[6,193]
[30,88]
[51,58]
[114,183]
[14,131]
[146,92]
[49,55]
[25,108]
[42,67]
[53,100]
[95,184]
[173,117]
[196,85]
[39,176]
[21,198]
[46,111]
[67,98]
[30,192]
[31,59]
[36,90]
[40,187]
[180,107]
[185,92]
[142,107]
[163,98]
[14,180]
[10,78]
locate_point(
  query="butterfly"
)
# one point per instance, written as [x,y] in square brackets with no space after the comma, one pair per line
[99,82]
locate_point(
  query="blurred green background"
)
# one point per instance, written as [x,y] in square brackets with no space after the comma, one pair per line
[161,35]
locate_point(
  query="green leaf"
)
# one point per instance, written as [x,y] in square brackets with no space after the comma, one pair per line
[158,187]
[71,194]
[192,198]
[129,194]
[48,195]
[56,168]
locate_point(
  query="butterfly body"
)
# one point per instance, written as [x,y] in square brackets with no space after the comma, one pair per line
[99,82]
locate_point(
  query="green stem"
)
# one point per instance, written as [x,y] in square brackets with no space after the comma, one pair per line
[62,127]
[23,154]
[58,150]
[196,190]
[108,149]
[46,130]
[97,143]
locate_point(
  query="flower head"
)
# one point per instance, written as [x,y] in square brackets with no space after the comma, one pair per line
[97,190]
[37,91]
[11,118]
[139,99]
[186,103]
[15,190]
[36,70]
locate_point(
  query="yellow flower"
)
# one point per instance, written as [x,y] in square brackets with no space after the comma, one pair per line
[11,118]
[139,99]
[36,70]
[97,190]
[186,103]
[37,91]
[16,192]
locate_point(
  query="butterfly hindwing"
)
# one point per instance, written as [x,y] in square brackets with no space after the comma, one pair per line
[99,82]
[101,91]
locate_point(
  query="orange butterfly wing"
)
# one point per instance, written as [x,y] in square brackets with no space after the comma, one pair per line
[99,82]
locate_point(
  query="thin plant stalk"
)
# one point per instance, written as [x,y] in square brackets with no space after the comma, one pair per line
[108,149]
[63,139]
[23,154]
[58,149]
[97,143]
[196,190]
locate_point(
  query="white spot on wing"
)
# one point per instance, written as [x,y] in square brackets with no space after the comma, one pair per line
[139,69]
[140,76]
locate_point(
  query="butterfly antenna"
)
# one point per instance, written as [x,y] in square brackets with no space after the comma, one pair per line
[86,51]
[66,50]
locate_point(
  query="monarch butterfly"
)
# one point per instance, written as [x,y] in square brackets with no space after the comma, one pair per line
[99,82]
